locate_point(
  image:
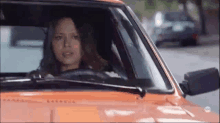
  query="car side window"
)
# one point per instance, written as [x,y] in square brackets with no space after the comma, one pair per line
[21,48]
[128,35]
[117,63]
[120,56]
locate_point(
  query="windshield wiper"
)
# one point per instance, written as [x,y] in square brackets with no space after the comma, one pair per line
[122,85]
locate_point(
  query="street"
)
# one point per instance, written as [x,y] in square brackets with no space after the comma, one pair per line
[181,60]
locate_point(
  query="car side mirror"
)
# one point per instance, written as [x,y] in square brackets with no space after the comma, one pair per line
[201,81]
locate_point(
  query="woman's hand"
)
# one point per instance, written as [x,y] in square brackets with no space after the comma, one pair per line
[49,76]
[39,74]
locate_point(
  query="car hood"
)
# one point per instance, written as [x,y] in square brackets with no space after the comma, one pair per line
[83,109]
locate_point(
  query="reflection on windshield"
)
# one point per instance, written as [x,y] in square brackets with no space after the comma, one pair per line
[143,64]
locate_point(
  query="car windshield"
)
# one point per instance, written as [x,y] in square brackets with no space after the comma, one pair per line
[72,41]
[177,16]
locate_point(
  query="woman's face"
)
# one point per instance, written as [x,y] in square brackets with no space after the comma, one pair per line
[66,44]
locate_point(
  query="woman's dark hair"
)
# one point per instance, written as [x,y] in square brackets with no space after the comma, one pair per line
[90,56]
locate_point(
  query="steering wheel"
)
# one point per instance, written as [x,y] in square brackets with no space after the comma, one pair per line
[84,74]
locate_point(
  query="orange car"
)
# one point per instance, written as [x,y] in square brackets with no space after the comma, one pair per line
[89,61]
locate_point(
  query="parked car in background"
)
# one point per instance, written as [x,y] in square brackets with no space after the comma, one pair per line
[174,27]
[134,86]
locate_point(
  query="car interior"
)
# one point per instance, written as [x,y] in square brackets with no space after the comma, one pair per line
[109,44]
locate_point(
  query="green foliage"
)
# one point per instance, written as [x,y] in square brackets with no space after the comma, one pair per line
[138,14]
[167,3]
[182,1]
[150,4]
[147,8]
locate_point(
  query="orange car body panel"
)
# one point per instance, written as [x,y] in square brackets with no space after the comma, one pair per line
[106,106]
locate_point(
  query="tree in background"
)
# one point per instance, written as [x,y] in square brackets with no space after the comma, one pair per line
[147,8]
[201,5]
[150,4]
[167,3]
[150,7]
[201,16]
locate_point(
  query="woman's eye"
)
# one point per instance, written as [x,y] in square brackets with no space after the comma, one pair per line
[75,36]
[58,37]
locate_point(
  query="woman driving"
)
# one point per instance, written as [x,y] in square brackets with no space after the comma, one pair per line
[68,47]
